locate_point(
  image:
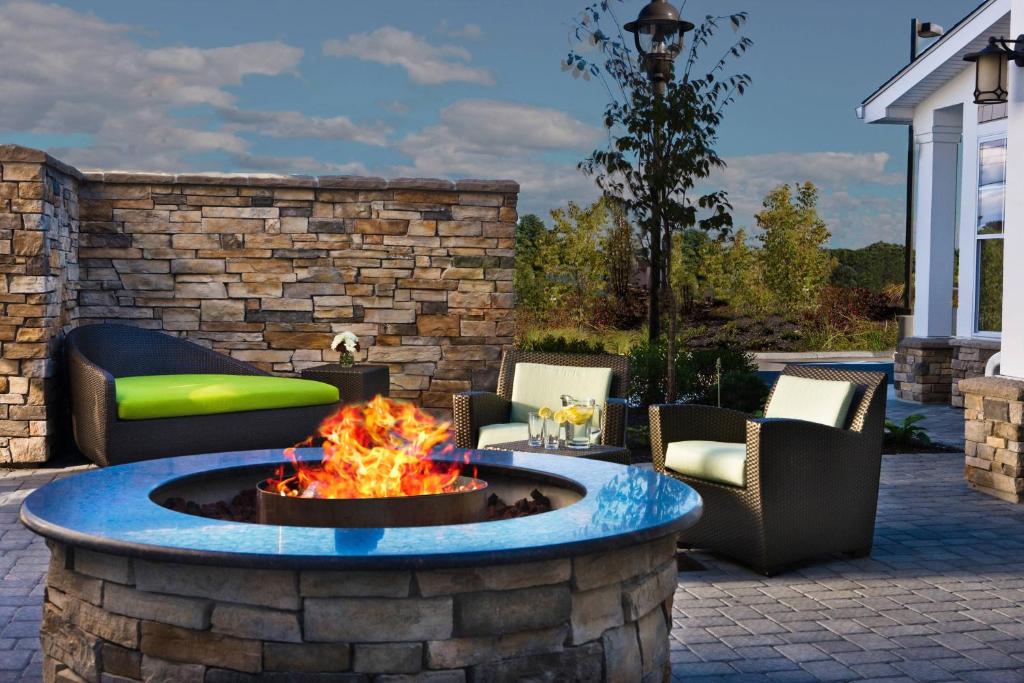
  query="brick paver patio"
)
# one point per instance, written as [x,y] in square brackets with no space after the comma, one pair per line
[941,599]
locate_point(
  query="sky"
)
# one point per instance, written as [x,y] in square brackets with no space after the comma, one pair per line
[445,88]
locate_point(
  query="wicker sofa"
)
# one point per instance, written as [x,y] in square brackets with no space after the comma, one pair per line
[97,355]
[809,489]
[476,409]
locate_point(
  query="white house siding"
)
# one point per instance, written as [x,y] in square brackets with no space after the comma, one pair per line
[1013,244]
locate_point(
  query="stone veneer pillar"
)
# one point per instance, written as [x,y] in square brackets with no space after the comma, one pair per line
[38,276]
[265,268]
[923,369]
[994,436]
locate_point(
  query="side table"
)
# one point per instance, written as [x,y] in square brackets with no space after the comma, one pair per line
[616,454]
[356,383]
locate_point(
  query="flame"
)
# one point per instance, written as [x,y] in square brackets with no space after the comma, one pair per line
[377,450]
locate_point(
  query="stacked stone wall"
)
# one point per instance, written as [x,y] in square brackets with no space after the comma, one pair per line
[584,618]
[923,369]
[969,359]
[263,268]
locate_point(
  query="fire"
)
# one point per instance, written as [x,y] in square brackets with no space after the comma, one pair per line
[377,450]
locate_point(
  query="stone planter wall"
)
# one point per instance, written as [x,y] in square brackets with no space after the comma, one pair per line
[994,433]
[264,268]
[969,359]
[586,618]
[923,369]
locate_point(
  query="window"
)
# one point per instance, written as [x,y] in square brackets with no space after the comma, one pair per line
[991,196]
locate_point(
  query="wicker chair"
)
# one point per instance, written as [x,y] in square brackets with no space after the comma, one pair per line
[475,409]
[98,354]
[810,489]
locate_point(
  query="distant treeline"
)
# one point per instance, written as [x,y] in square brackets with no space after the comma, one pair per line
[871,267]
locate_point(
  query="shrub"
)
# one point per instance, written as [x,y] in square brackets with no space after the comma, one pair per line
[696,377]
[562,344]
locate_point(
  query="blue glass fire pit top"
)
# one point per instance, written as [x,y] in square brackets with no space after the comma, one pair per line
[110,510]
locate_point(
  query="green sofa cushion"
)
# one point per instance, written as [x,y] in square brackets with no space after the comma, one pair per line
[536,385]
[502,433]
[154,396]
[823,401]
[709,460]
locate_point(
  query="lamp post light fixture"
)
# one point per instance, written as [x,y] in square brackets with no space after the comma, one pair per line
[992,66]
[658,33]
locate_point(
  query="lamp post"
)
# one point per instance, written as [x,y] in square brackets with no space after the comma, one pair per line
[658,33]
[918,30]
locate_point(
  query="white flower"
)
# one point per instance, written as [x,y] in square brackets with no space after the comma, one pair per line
[347,339]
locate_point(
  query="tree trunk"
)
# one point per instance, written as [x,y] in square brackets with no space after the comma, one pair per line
[670,301]
[654,288]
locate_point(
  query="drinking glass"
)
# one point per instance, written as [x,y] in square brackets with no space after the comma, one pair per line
[536,426]
[551,429]
[577,429]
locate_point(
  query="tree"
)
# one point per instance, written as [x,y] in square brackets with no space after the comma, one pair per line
[620,253]
[875,267]
[531,237]
[734,272]
[795,264]
[576,267]
[661,146]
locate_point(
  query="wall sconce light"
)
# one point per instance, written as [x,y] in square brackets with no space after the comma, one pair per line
[992,66]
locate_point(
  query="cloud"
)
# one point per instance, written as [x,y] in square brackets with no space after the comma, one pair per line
[859,198]
[66,72]
[492,139]
[293,124]
[424,63]
[469,31]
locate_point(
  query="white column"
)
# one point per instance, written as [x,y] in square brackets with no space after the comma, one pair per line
[934,225]
[1013,226]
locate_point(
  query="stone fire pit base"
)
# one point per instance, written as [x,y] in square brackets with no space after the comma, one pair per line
[603,616]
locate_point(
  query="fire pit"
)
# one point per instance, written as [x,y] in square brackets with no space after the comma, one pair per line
[138,591]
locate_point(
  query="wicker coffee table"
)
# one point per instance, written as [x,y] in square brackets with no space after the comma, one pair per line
[616,454]
[356,383]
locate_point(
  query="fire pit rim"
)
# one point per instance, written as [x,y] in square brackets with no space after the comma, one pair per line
[77,510]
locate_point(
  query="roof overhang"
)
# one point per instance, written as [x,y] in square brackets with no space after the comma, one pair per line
[896,99]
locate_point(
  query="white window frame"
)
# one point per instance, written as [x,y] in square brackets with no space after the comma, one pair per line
[990,131]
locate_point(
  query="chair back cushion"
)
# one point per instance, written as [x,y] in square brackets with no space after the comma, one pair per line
[823,401]
[502,433]
[155,396]
[717,461]
[536,385]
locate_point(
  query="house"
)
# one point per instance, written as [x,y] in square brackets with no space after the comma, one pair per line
[968,237]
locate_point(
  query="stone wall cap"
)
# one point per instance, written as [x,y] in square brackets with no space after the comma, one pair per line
[976,343]
[276,180]
[352,182]
[925,343]
[475,185]
[19,154]
[1006,388]
[27,155]
[420,184]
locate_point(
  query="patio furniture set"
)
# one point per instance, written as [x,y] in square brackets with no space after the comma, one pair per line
[800,482]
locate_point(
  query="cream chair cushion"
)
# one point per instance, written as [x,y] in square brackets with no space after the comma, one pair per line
[503,433]
[826,402]
[536,385]
[717,461]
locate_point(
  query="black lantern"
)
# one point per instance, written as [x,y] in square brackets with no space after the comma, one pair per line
[658,33]
[991,69]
